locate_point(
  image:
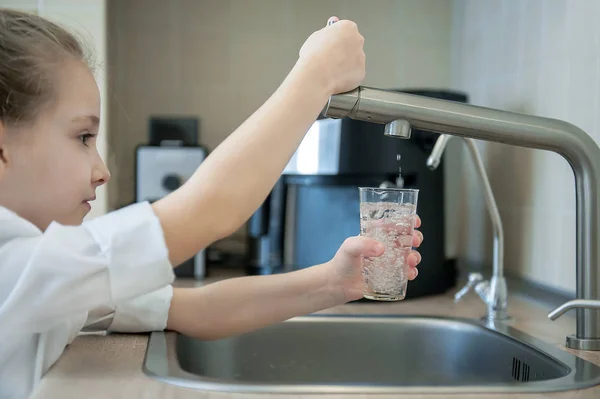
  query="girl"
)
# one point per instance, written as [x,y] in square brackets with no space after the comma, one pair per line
[59,275]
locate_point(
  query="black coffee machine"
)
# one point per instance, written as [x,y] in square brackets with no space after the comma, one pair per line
[314,206]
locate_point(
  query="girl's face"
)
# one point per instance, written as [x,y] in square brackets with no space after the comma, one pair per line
[49,171]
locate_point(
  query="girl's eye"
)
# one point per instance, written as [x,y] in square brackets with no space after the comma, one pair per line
[85,137]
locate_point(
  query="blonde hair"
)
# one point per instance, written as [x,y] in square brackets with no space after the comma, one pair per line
[31,48]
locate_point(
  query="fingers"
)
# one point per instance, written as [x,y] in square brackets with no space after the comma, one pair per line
[362,246]
[417,239]
[414,272]
[414,258]
[358,246]
[417,235]
[417,221]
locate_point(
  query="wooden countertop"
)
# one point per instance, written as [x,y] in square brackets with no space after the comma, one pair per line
[110,366]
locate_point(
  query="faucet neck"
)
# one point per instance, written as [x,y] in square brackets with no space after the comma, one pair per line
[466,120]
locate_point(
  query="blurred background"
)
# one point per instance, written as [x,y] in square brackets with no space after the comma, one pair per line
[200,67]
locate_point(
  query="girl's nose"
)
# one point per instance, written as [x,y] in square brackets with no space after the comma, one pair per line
[101,174]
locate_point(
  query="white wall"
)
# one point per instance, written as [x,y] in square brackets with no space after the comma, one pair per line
[87,19]
[23,5]
[537,57]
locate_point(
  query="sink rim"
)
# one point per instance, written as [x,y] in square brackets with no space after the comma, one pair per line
[581,373]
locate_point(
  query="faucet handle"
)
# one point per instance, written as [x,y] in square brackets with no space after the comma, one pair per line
[483,290]
[576,303]
[474,279]
[574,341]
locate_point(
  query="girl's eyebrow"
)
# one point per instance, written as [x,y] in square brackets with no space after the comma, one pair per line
[91,118]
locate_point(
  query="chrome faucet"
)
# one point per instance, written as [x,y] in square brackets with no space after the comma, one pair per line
[399,111]
[493,292]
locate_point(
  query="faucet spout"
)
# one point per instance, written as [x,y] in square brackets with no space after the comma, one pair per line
[398,128]
[433,161]
[466,120]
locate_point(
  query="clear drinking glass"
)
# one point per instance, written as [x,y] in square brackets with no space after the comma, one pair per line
[388,215]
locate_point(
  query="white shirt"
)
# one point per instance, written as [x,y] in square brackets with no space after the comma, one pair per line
[110,273]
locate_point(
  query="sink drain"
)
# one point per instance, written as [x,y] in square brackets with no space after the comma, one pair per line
[521,371]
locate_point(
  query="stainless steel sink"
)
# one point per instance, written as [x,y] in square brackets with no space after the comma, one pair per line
[369,354]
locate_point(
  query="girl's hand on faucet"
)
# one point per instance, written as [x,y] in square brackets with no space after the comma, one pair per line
[346,267]
[334,54]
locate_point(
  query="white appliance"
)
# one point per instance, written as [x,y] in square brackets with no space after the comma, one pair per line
[161,170]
